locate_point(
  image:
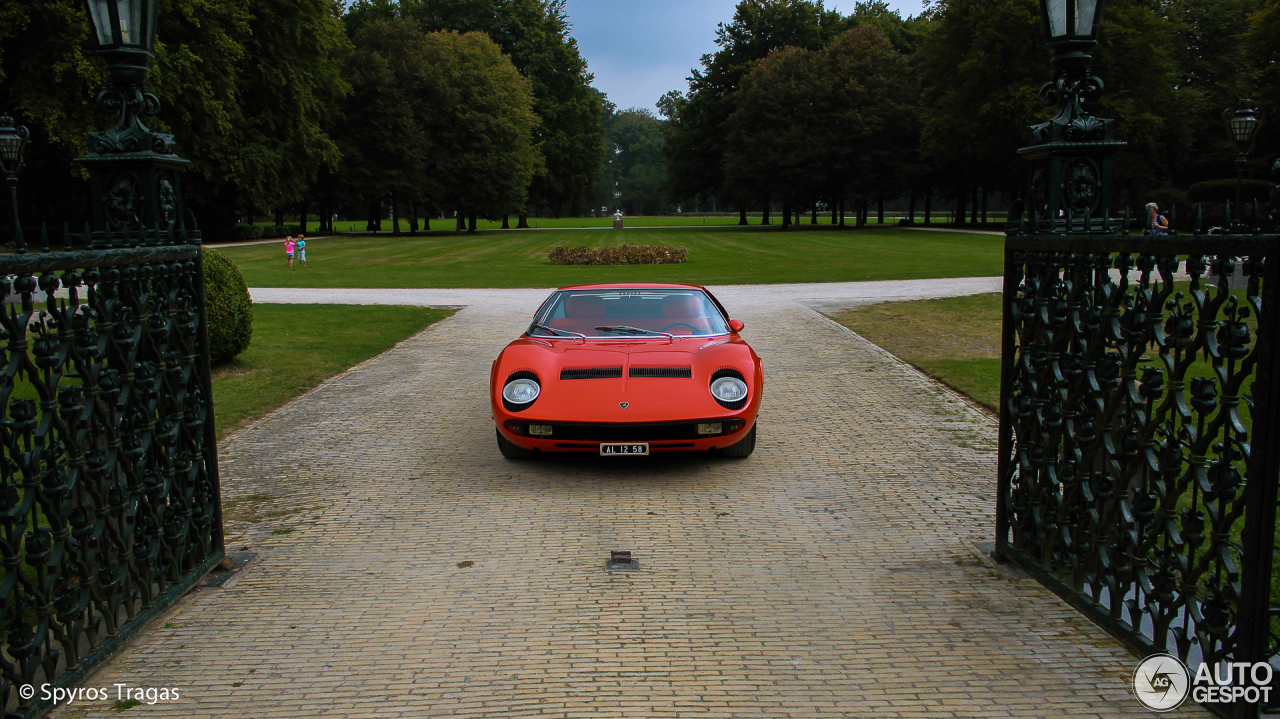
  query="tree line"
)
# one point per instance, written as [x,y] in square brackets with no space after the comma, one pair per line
[484,108]
[416,107]
[804,108]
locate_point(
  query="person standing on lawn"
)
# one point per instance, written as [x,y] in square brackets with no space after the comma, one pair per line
[302,250]
[1157,224]
[289,247]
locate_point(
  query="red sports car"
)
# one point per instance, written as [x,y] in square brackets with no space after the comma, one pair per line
[627,369]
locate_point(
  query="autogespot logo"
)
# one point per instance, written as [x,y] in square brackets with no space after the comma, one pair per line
[1161,682]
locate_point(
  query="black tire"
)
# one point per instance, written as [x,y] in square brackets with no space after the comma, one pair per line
[509,450]
[744,447]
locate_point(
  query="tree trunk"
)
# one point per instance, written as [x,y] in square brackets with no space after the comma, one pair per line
[523,223]
[842,212]
[426,223]
[764,217]
[505,224]
[375,216]
[302,217]
[835,212]
[864,211]
[413,218]
[813,219]
[880,211]
[959,211]
[471,223]
[984,205]
[786,215]
[742,215]
[973,212]
[279,216]
[462,221]
[928,205]
[395,217]
[911,208]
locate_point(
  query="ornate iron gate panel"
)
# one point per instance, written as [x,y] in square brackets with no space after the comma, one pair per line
[109,498]
[1139,435]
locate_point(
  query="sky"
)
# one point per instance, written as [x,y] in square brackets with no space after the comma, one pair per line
[639,50]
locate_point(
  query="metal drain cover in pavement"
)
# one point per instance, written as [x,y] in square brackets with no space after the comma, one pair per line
[621,561]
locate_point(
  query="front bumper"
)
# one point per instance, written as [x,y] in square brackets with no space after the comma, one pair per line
[661,436]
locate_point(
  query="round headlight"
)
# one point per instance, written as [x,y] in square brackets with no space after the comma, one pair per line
[729,389]
[521,391]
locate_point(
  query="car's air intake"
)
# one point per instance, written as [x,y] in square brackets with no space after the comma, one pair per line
[667,372]
[591,373]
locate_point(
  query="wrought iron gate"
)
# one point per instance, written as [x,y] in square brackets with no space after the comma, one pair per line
[1139,434]
[109,499]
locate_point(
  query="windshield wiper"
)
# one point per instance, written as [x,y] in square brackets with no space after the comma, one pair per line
[556,332]
[633,330]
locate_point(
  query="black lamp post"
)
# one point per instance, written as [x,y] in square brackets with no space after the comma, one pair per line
[134,171]
[1069,178]
[13,142]
[1242,126]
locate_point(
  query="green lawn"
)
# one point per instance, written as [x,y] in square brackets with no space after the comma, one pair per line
[720,255]
[955,339]
[296,347]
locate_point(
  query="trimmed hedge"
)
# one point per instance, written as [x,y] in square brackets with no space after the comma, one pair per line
[1225,191]
[228,305]
[626,254]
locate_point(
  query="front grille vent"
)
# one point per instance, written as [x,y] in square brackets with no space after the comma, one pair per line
[670,372]
[591,373]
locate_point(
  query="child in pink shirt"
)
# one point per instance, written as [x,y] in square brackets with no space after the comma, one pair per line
[289,246]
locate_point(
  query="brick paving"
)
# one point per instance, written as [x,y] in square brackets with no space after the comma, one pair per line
[405,569]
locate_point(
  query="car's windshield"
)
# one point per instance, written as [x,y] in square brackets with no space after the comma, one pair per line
[629,313]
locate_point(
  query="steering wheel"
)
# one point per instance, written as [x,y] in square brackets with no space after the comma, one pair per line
[677,324]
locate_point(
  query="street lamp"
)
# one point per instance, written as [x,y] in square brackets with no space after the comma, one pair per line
[1242,126]
[1069,171]
[13,142]
[1072,23]
[134,171]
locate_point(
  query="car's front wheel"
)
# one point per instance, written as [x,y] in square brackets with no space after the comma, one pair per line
[511,450]
[744,447]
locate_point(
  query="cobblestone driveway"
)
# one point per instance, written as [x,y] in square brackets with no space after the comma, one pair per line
[405,569]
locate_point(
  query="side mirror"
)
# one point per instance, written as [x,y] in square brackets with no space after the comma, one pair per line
[736,326]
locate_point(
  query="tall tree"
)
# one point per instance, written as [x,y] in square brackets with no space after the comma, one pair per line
[386,133]
[536,36]
[810,124]
[289,97]
[483,134]
[777,146]
[1135,57]
[982,66]
[636,136]
[695,147]
[872,132]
